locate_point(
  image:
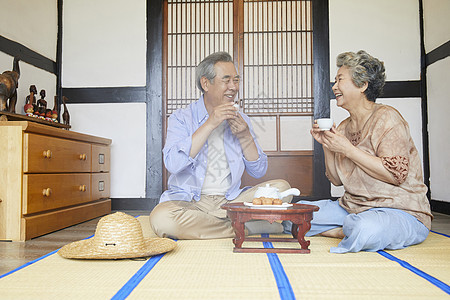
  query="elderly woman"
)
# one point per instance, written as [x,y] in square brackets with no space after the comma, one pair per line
[372,155]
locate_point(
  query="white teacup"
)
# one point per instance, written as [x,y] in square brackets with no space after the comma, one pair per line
[325,123]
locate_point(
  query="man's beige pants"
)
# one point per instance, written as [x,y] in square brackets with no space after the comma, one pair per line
[204,219]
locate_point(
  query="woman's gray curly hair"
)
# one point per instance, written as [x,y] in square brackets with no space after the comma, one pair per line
[206,67]
[364,68]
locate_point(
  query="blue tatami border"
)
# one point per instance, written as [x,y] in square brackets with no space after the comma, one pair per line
[433,280]
[283,284]
[131,284]
[28,263]
[33,261]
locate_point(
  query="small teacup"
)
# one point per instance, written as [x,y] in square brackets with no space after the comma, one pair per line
[325,123]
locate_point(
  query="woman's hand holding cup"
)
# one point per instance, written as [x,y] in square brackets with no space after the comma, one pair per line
[325,123]
[319,127]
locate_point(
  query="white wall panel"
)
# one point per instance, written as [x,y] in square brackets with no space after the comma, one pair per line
[125,125]
[104,43]
[386,29]
[33,24]
[439,124]
[436,23]
[295,133]
[265,131]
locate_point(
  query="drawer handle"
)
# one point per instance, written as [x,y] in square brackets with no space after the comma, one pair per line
[47,154]
[82,188]
[83,156]
[47,192]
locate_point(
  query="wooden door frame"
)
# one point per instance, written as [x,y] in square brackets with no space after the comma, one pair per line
[321,81]
[321,86]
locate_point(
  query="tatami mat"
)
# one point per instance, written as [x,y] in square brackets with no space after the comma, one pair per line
[55,277]
[431,257]
[363,275]
[209,269]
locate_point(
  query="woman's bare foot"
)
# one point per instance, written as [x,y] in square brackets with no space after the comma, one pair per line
[334,233]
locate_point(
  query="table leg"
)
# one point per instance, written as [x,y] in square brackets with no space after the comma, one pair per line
[303,228]
[239,229]
[294,230]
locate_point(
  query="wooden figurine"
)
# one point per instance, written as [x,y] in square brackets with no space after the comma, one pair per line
[55,110]
[9,81]
[30,101]
[65,115]
[42,104]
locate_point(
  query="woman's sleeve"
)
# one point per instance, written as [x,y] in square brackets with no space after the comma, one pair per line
[392,142]
[398,166]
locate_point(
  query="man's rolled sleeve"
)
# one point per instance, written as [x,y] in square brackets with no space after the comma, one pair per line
[176,157]
[257,168]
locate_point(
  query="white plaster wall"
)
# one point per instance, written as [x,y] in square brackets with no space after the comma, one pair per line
[386,29]
[437,32]
[438,125]
[33,24]
[436,23]
[104,43]
[124,123]
[30,75]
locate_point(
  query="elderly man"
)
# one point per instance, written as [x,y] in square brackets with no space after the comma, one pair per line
[209,145]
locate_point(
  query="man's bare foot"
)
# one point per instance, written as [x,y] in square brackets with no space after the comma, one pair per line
[334,233]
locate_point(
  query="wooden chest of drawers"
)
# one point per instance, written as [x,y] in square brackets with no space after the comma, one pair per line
[50,179]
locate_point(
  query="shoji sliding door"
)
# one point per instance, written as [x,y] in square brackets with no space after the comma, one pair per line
[271,42]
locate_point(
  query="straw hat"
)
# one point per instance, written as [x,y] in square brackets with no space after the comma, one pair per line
[117,236]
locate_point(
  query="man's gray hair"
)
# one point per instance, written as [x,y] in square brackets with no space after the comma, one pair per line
[206,67]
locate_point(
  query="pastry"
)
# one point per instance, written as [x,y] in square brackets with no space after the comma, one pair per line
[277,202]
[257,201]
[266,201]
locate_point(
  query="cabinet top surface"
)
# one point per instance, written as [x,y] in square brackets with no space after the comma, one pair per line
[31,127]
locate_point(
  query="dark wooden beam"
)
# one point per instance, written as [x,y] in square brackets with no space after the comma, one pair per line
[439,53]
[396,89]
[440,206]
[321,54]
[27,55]
[59,58]
[105,94]
[424,103]
[154,90]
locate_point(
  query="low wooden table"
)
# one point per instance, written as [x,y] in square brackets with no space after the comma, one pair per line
[300,215]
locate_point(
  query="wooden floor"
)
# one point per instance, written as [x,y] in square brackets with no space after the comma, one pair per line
[16,254]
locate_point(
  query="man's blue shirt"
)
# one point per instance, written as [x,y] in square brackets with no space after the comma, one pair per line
[187,174]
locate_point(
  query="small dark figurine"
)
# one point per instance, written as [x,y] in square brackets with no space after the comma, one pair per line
[42,104]
[65,115]
[30,101]
[9,81]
